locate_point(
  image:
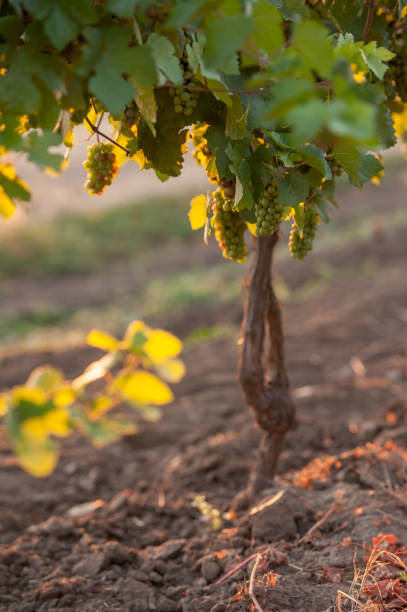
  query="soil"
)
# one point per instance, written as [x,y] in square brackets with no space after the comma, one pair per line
[122,528]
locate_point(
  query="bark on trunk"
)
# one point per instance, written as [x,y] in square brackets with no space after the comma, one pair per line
[262,371]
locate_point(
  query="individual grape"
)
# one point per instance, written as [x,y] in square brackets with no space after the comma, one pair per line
[101,166]
[301,243]
[229,229]
[269,212]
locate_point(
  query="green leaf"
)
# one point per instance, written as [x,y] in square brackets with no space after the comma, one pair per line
[60,27]
[183,11]
[122,8]
[321,206]
[311,41]
[268,34]
[375,56]
[236,118]
[370,167]
[293,10]
[292,189]
[287,93]
[316,159]
[13,186]
[140,65]
[225,37]
[167,63]
[110,87]
[37,149]
[164,148]
[348,157]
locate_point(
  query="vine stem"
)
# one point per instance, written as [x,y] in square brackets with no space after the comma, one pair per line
[369,18]
[95,129]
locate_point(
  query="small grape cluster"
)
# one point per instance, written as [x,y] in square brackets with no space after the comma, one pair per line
[184,100]
[301,243]
[269,212]
[229,228]
[101,166]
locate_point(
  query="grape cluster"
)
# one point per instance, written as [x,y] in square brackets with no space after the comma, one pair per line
[229,228]
[301,243]
[101,166]
[269,212]
[184,100]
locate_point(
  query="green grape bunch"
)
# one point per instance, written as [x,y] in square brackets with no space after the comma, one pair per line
[300,243]
[101,166]
[229,228]
[269,211]
[185,101]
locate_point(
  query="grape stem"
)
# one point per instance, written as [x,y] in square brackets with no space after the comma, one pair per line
[95,129]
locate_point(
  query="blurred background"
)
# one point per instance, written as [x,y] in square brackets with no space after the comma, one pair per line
[71,261]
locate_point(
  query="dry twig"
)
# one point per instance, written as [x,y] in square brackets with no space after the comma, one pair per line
[251,585]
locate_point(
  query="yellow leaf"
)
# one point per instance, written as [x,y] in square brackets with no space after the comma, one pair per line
[33,396]
[121,156]
[38,459]
[57,422]
[140,158]
[7,207]
[101,405]
[162,345]
[64,396]
[252,228]
[197,213]
[93,118]
[144,388]
[171,370]
[3,406]
[400,122]
[101,340]
[34,428]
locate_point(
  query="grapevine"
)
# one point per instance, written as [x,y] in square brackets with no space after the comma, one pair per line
[101,167]
[312,88]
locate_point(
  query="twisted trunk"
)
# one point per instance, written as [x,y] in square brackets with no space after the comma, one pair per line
[262,371]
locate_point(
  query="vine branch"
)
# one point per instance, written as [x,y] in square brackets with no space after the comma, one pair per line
[95,129]
[369,18]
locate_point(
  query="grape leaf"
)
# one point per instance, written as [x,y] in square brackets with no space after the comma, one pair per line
[167,63]
[292,188]
[310,38]
[224,37]
[268,34]
[110,87]
[60,27]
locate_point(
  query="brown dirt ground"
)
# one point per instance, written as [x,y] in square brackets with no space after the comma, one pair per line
[140,544]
